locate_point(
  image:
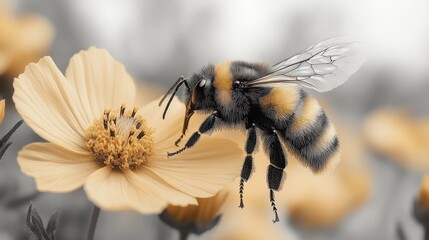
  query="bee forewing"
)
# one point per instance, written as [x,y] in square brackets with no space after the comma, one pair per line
[323,66]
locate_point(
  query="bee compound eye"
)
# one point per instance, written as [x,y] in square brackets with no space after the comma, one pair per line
[202,83]
[198,91]
[237,84]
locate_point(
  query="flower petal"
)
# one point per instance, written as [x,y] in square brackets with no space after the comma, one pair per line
[168,130]
[165,128]
[54,168]
[101,82]
[143,191]
[148,92]
[49,105]
[200,171]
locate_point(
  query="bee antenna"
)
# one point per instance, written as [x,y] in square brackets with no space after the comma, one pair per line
[171,89]
[176,87]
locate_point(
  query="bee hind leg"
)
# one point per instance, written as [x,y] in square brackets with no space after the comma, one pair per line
[248,165]
[278,161]
[206,126]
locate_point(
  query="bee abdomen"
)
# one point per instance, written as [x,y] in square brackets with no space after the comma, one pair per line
[312,137]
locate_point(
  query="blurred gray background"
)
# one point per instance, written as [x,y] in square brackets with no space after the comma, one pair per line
[158,41]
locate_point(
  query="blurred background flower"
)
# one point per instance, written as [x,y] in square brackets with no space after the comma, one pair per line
[24,38]
[424,193]
[421,207]
[399,136]
[158,41]
[2,107]
[195,219]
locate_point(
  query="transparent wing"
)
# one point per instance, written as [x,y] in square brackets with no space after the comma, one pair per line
[323,66]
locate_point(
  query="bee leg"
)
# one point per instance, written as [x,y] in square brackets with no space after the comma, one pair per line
[273,204]
[206,126]
[178,140]
[247,169]
[278,161]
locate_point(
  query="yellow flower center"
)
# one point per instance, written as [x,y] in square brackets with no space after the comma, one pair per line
[120,139]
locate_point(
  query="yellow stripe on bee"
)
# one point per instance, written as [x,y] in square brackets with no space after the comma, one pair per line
[308,114]
[323,145]
[325,140]
[333,161]
[284,100]
[223,82]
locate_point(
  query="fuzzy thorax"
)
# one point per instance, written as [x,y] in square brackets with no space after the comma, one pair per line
[120,139]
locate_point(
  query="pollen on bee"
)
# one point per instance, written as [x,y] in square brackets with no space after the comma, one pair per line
[120,139]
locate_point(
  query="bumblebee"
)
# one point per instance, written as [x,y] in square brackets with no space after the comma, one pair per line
[271,104]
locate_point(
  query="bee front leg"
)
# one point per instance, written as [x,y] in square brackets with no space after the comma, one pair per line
[248,165]
[278,162]
[206,126]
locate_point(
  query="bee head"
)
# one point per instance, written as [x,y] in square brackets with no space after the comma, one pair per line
[199,96]
[198,93]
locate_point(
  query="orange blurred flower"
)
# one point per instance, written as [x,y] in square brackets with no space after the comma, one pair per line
[117,152]
[400,137]
[23,39]
[421,206]
[424,193]
[195,219]
[2,110]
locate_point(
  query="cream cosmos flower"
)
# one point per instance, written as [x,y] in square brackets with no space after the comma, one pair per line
[117,152]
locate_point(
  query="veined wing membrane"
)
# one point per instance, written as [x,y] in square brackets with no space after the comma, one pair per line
[323,66]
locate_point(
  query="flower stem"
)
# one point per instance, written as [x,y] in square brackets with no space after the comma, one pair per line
[183,235]
[93,223]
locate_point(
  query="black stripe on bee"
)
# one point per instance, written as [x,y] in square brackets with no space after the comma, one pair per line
[317,159]
[309,135]
[246,71]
